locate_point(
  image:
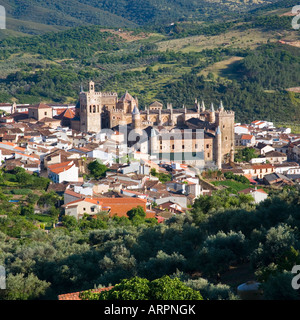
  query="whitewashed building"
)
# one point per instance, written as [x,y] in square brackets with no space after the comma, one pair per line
[66,171]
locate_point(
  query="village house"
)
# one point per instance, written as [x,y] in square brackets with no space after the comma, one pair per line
[80,207]
[264,138]
[112,206]
[65,171]
[258,195]
[70,195]
[172,207]
[258,171]
[247,140]
[294,150]
[277,179]
[288,168]
[275,157]
[241,129]
[58,156]
[262,124]
[264,148]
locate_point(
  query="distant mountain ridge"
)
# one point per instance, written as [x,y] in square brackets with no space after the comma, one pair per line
[116,13]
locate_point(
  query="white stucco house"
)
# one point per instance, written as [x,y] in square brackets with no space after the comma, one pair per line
[258,195]
[65,171]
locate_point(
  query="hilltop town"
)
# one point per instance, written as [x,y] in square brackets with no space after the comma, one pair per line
[180,154]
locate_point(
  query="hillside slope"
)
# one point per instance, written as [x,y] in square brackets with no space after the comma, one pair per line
[119,13]
[238,61]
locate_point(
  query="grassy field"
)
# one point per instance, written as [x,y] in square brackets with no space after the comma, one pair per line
[233,38]
[233,186]
[221,69]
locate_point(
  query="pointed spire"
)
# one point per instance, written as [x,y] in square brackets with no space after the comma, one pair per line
[135,111]
[221,108]
[81,87]
[212,108]
[218,132]
[202,106]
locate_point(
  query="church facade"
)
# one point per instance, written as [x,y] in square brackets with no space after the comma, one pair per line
[207,132]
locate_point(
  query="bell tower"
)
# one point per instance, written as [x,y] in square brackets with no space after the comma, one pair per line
[90,110]
[225,121]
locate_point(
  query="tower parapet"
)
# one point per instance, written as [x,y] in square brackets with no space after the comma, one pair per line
[212,114]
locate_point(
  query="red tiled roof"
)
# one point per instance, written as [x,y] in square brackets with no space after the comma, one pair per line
[94,201]
[75,295]
[262,166]
[68,113]
[74,194]
[60,167]
[120,206]
[117,206]
[247,137]
[8,143]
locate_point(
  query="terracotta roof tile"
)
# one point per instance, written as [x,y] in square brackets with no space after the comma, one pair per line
[60,167]
[247,137]
[75,295]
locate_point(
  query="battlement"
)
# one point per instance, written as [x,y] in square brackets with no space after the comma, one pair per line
[117,111]
[100,94]
[108,94]
[226,112]
[145,122]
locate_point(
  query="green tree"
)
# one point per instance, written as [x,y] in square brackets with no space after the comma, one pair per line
[97,169]
[69,222]
[278,287]
[166,288]
[27,210]
[23,178]
[48,199]
[32,198]
[21,287]
[137,212]
[138,288]
[245,154]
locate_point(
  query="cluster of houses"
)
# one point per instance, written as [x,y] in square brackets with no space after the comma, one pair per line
[277,161]
[39,139]
[63,154]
